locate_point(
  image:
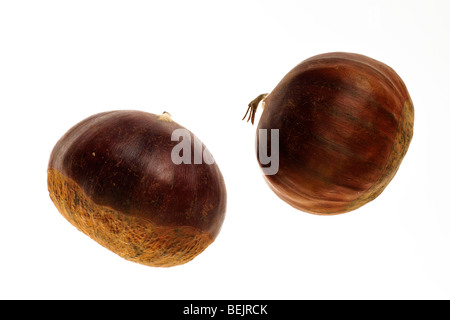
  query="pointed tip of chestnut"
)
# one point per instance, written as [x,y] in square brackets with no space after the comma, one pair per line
[113,177]
[345,123]
[253,106]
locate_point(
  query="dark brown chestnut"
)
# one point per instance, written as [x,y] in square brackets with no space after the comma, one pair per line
[345,122]
[113,177]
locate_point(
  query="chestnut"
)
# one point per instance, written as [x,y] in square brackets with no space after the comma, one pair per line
[343,124]
[114,178]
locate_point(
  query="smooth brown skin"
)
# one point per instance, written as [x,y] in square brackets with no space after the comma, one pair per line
[119,163]
[345,123]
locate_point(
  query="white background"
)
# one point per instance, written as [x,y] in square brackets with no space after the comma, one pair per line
[203,61]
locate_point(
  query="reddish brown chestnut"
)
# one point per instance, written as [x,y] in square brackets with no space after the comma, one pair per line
[113,177]
[345,123]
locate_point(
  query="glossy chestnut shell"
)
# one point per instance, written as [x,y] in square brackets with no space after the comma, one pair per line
[345,123]
[112,177]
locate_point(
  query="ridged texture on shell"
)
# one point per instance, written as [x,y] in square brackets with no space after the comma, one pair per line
[345,123]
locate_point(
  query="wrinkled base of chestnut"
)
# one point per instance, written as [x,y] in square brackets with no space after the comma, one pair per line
[132,238]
